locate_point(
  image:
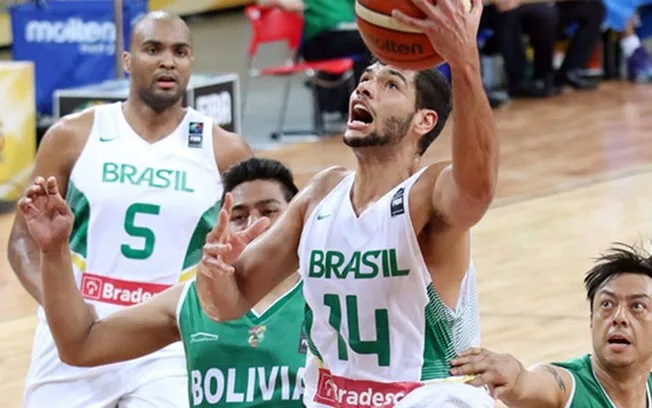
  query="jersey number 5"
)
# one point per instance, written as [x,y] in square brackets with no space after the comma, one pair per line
[380,346]
[141,232]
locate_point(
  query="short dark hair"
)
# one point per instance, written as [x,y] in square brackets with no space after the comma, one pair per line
[619,259]
[259,169]
[433,92]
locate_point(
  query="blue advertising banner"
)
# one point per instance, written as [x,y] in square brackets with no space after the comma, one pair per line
[71,43]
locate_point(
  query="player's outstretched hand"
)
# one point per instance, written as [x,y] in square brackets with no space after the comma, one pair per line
[452,29]
[224,246]
[47,215]
[499,372]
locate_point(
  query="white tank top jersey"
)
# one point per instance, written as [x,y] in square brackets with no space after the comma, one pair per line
[142,211]
[375,326]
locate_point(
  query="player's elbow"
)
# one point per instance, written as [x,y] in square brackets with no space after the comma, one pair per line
[74,356]
[470,208]
[479,196]
[221,314]
[16,242]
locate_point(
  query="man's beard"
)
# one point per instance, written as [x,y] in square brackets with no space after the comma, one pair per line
[161,102]
[392,132]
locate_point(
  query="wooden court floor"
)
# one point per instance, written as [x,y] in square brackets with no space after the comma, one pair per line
[575,175]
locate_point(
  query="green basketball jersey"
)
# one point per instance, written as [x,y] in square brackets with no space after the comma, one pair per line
[254,361]
[325,15]
[587,391]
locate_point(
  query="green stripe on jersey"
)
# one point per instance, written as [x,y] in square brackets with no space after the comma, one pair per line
[204,226]
[81,210]
[439,346]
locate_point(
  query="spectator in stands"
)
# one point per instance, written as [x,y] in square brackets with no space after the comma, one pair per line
[542,22]
[621,17]
[329,32]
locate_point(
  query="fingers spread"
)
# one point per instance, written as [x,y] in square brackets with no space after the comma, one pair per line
[51,186]
[26,206]
[473,351]
[216,249]
[215,235]
[215,266]
[426,6]
[477,6]
[255,229]
[409,21]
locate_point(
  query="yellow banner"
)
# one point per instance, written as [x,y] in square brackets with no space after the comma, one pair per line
[5,29]
[17,127]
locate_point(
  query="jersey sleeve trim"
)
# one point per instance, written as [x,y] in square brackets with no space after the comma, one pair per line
[569,401]
[182,299]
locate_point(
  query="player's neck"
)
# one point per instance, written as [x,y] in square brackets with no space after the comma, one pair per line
[625,387]
[280,290]
[150,124]
[380,169]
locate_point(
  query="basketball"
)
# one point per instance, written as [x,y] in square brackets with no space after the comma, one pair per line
[393,42]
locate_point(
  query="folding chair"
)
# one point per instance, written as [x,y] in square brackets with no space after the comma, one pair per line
[274,25]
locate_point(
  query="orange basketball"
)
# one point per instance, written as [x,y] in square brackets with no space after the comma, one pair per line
[392,42]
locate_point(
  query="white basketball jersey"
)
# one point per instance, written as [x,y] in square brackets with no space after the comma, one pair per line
[376,327]
[142,210]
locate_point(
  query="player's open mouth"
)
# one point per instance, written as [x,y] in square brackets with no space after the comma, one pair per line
[360,116]
[618,342]
[166,81]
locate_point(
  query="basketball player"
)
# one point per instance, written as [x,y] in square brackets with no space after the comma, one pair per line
[143,181]
[615,374]
[256,361]
[384,251]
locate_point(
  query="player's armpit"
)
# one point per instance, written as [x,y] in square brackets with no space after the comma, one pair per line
[229,148]
[543,386]
[132,332]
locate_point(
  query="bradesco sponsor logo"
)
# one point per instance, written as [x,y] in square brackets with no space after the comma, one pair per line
[118,291]
[341,392]
[93,37]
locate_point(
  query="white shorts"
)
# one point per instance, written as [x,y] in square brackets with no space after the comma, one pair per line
[156,381]
[447,395]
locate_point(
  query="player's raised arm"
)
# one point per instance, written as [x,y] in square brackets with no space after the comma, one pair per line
[544,386]
[235,273]
[81,339]
[464,190]
[239,269]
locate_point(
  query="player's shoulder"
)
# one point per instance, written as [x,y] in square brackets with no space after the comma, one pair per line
[229,147]
[319,186]
[71,130]
[325,180]
[561,373]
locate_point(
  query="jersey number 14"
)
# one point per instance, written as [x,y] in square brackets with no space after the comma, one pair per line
[380,346]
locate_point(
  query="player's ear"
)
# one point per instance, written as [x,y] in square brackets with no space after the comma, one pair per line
[126,62]
[425,120]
